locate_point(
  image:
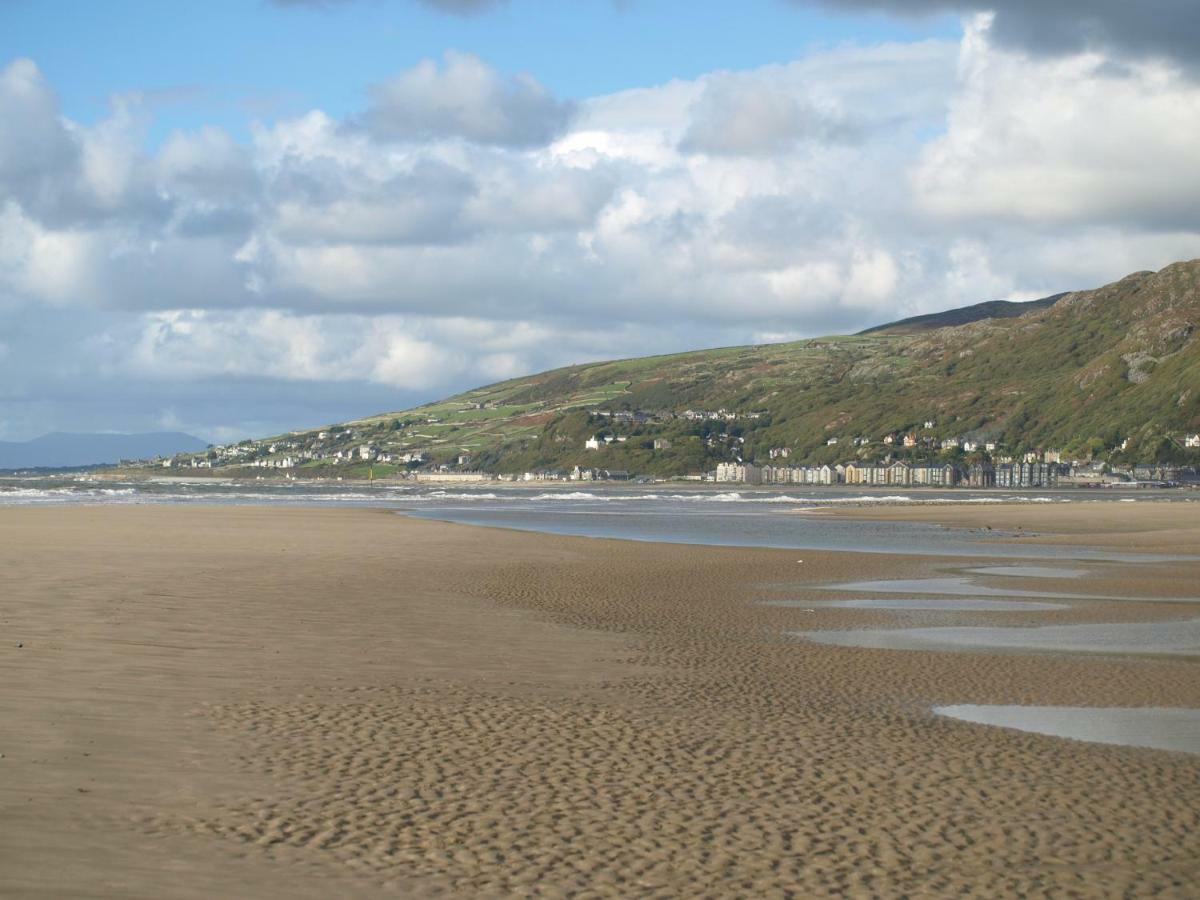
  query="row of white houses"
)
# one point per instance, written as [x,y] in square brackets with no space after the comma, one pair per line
[748,473]
[896,473]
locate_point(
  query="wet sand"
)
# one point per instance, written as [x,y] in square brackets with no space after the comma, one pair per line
[1088,519]
[268,702]
[1176,638]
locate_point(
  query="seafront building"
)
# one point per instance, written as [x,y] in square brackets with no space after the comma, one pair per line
[739,473]
[802,474]
[981,475]
[900,473]
[1026,475]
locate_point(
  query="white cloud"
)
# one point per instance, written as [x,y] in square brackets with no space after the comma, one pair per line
[182,344]
[464,98]
[50,265]
[42,143]
[751,116]
[403,352]
[1060,141]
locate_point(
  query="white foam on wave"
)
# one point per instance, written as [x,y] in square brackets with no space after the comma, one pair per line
[20,496]
[456,495]
[91,495]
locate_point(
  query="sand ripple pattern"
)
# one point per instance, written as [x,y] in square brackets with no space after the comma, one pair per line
[495,795]
[668,787]
[712,756]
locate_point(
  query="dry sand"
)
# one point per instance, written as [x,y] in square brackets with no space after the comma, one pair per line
[260,702]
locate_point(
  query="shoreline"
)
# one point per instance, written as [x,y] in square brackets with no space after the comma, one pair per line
[287,701]
[677,482]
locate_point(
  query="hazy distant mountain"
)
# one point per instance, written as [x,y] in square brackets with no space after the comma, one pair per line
[992,309]
[60,450]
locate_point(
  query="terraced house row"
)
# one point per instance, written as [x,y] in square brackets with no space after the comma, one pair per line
[896,474]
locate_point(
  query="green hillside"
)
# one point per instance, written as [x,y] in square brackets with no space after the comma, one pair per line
[1082,374]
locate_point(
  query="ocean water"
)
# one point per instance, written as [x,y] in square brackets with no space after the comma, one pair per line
[763,519]
[670,513]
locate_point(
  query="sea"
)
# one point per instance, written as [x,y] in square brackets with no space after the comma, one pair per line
[719,515]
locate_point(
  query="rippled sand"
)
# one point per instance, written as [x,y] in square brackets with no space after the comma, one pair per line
[302,703]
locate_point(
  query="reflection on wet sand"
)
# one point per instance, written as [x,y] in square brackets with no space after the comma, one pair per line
[1028,571]
[1156,727]
[1157,638]
[955,585]
[935,604]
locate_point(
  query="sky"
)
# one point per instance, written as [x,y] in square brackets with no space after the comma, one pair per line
[240,218]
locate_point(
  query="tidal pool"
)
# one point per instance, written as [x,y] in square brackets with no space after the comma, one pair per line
[1179,638]
[1028,571]
[1162,728]
[958,586]
[947,604]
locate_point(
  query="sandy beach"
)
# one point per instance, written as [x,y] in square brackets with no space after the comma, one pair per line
[206,701]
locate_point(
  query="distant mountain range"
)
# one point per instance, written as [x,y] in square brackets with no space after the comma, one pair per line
[62,450]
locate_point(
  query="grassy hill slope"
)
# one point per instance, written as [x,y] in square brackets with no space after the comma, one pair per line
[1081,374]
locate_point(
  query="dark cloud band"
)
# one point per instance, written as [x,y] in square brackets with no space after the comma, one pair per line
[1167,29]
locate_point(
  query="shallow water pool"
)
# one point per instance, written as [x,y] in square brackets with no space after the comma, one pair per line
[1179,638]
[946,604]
[1162,728]
[958,586]
[1028,571]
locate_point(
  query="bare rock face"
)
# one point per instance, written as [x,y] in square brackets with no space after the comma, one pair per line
[1138,366]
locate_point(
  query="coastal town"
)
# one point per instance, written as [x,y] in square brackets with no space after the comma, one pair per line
[916,458]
